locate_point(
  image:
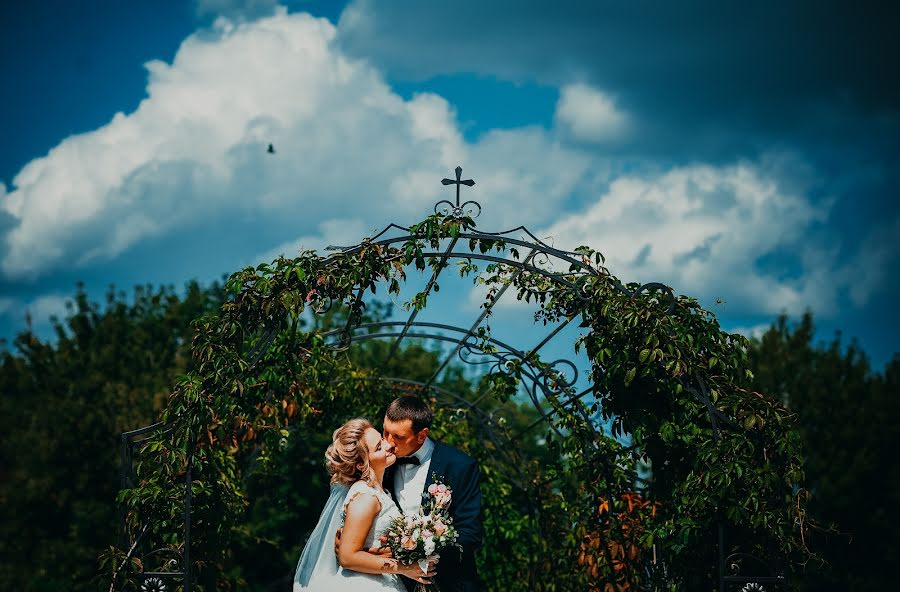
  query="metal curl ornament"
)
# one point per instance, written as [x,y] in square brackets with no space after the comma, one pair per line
[470,209]
[560,382]
[667,290]
[576,298]
[501,363]
[541,260]
[735,563]
[319,303]
[344,340]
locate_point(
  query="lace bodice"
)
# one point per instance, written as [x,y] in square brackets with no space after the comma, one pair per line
[388,512]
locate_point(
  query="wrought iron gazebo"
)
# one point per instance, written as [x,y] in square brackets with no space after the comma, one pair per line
[467,344]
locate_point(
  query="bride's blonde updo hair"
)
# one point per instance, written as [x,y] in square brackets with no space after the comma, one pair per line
[347,458]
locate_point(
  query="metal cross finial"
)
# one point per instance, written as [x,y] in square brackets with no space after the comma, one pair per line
[459,209]
[468,182]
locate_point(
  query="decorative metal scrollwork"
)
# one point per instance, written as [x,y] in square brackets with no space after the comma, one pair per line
[576,297]
[667,290]
[503,363]
[319,303]
[555,380]
[470,208]
[737,564]
[344,340]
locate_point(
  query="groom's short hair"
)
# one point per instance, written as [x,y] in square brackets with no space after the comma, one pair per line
[412,408]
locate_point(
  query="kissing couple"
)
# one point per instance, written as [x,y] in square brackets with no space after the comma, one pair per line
[376,477]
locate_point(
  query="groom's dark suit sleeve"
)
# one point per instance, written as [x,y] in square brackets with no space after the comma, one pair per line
[457,572]
[467,497]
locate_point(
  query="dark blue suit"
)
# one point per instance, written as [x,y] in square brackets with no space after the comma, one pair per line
[459,471]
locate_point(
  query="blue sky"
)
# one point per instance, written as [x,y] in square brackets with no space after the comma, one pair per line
[746,154]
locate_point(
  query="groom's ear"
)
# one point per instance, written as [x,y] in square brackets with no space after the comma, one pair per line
[420,437]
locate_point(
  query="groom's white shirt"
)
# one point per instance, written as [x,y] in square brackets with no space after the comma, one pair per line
[409,479]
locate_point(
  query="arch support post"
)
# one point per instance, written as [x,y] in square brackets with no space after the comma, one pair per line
[187,523]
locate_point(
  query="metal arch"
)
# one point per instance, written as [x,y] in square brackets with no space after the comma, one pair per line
[542,248]
[578,268]
[535,374]
[539,246]
[526,358]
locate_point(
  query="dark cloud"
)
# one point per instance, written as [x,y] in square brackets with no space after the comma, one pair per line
[718,69]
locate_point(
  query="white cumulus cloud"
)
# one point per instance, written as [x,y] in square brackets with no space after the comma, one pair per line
[48,305]
[588,115]
[337,232]
[751,331]
[704,230]
[192,159]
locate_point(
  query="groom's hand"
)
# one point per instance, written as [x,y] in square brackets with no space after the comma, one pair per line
[382,551]
[337,541]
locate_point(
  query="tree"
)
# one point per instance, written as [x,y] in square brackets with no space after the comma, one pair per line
[63,401]
[847,420]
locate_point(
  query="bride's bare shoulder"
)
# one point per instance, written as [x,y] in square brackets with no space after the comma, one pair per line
[362,497]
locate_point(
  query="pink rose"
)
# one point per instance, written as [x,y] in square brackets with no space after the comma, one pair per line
[439,528]
[442,499]
[433,488]
[427,534]
[442,488]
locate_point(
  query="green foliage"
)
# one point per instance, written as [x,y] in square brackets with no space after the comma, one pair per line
[848,427]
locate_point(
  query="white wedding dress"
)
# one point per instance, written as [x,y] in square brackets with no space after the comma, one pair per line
[318,570]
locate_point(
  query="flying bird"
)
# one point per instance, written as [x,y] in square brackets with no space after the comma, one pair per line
[271,149]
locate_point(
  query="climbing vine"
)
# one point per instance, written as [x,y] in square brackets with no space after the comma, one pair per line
[667,444]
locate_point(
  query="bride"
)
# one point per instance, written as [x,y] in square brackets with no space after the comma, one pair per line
[356,460]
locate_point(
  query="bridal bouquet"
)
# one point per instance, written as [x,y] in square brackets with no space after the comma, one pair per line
[420,538]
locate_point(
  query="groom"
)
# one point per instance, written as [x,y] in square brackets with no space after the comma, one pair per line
[407,422]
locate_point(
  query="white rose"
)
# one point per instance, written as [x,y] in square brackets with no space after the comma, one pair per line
[429,546]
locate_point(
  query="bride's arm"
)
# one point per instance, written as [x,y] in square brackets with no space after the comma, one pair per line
[361,513]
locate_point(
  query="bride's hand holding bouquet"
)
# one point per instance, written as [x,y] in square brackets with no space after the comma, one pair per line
[417,540]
